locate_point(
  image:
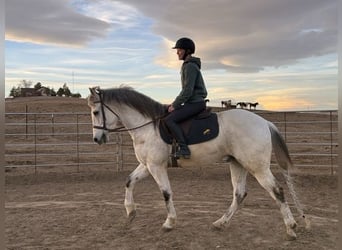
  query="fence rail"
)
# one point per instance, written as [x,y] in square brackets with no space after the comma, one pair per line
[310,135]
[65,139]
[55,139]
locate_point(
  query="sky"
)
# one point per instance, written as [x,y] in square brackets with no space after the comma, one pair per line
[279,53]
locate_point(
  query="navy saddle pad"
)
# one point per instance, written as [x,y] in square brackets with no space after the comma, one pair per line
[200,128]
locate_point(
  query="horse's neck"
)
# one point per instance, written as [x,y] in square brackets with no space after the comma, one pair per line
[132,119]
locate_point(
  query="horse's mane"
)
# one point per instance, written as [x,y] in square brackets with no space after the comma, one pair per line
[128,96]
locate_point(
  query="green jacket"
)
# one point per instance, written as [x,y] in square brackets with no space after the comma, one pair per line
[193,87]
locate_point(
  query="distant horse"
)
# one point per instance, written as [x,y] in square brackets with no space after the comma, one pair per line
[228,104]
[242,105]
[245,140]
[253,105]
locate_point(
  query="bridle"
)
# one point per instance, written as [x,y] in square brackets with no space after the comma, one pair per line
[104,127]
[118,129]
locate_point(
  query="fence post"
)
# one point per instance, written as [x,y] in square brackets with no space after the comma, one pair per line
[118,146]
[331,143]
[35,143]
[285,136]
[77,144]
[52,124]
[26,120]
[120,151]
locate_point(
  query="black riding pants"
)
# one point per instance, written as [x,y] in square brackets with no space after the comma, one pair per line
[181,114]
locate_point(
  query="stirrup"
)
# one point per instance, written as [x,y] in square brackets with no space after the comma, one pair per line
[183,152]
[185,156]
[178,156]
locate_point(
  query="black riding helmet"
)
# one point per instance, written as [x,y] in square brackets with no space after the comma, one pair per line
[185,43]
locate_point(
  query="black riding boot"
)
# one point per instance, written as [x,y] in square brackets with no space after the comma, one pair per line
[183,150]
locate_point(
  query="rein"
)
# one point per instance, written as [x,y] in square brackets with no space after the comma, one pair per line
[122,128]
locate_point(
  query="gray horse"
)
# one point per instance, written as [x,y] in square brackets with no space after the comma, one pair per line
[245,140]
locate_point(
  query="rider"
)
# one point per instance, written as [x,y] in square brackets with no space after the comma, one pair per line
[191,99]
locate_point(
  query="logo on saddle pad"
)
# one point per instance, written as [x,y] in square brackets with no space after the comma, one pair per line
[197,129]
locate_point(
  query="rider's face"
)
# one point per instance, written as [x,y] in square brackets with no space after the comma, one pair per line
[180,53]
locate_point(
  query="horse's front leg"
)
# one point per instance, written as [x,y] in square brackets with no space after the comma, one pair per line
[159,173]
[138,174]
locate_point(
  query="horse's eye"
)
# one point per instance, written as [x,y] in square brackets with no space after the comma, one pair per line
[95,113]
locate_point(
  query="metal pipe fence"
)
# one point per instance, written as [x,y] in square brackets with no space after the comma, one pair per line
[311,136]
[56,139]
[65,139]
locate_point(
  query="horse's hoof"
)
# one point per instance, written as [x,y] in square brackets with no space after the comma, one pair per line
[169,224]
[131,216]
[167,229]
[217,226]
[290,236]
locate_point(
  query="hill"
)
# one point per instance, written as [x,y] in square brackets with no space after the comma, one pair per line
[46,104]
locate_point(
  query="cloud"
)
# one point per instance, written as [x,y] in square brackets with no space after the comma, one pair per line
[51,22]
[237,36]
[116,13]
[270,45]
[247,36]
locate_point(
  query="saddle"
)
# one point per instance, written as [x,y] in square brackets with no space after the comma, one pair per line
[199,128]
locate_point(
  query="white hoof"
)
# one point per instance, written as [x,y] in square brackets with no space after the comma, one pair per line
[218,225]
[290,235]
[169,224]
[131,216]
[130,208]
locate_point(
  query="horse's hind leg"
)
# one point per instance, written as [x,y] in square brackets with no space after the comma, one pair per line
[238,177]
[268,181]
[138,174]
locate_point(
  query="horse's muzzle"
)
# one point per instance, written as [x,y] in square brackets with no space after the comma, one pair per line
[102,140]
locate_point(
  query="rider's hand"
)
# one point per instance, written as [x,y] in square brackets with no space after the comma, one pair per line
[170,108]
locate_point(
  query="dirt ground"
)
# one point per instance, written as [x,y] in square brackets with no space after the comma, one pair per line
[84,210]
[59,208]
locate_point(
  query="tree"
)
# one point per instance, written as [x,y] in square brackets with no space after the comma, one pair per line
[38,86]
[15,92]
[52,92]
[60,92]
[63,91]
[25,84]
[66,90]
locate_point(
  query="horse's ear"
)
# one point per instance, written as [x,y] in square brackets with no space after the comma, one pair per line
[93,90]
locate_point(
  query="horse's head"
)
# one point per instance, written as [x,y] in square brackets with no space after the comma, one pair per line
[104,119]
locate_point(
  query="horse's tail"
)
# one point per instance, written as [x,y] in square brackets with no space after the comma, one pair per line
[280,149]
[282,156]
